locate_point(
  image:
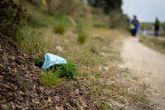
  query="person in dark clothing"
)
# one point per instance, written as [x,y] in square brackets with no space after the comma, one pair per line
[156,27]
[134,26]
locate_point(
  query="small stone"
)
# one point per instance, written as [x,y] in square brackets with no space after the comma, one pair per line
[106,68]
[100,68]
[59,48]
[49,99]
[77,91]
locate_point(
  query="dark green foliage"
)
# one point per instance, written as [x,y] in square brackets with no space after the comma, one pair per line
[112,8]
[38,63]
[112,5]
[107,5]
[11,15]
[65,71]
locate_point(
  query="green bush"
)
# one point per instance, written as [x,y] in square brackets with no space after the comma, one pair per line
[107,5]
[65,71]
[61,24]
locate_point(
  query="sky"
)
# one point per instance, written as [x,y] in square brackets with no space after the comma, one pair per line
[145,10]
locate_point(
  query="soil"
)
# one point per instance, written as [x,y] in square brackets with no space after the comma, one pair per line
[149,66]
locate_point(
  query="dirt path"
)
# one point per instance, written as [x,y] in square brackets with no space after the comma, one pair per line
[149,66]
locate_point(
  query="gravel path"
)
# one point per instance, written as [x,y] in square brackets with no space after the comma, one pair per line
[149,66]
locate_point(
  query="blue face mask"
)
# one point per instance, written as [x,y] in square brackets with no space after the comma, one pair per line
[51,60]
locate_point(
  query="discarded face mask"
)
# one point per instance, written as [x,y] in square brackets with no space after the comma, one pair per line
[50,60]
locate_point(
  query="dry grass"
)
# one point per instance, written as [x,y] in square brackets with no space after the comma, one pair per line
[157,43]
[100,78]
[107,85]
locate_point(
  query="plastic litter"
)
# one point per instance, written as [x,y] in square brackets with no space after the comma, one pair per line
[50,60]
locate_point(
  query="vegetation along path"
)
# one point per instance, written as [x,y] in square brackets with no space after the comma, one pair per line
[149,66]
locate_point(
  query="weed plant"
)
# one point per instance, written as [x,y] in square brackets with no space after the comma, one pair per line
[82,37]
[65,71]
[61,25]
[82,34]
[53,75]
[30,40]
[49,78]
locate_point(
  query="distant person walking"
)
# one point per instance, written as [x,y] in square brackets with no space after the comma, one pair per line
[157,27]
[134,25]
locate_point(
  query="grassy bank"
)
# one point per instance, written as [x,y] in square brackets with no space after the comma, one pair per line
[157,44]
[95,52]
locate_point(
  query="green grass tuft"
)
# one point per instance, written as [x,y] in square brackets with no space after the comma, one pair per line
[103,106]
[66,71]
[82,37]
[53,75]
[82,34]
[31,41]
[49,78]
[61,25]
